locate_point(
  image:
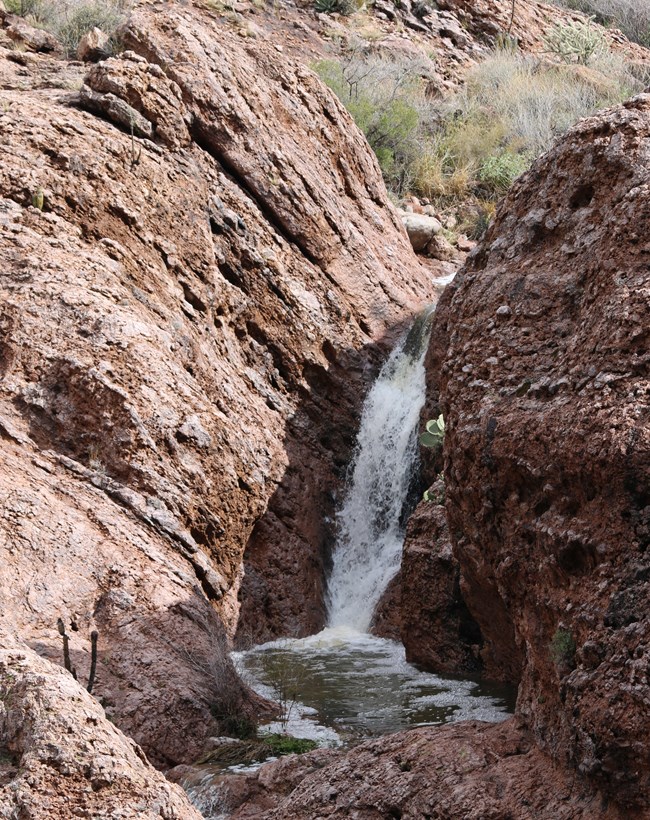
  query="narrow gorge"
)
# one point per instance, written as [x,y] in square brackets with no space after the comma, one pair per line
[218,351]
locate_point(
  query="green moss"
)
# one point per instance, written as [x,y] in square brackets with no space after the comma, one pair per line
[563,646]
[279,745]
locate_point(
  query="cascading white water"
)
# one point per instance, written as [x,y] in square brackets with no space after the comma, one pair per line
[370,533]
[348,684]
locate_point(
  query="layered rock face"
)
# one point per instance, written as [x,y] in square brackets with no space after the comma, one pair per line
[525,20]
[545,391]
[200,273]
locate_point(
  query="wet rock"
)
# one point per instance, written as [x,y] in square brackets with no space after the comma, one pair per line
[387,618]
[437,629]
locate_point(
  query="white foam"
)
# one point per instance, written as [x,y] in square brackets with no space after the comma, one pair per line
[370,530]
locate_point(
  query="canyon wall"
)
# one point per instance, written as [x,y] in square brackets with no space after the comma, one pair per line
[201,275]
[545,391]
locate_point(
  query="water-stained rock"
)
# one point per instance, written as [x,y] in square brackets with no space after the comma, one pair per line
[437,630]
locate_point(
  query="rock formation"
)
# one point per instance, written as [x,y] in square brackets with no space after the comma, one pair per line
[60,757]
[436,629]
[471,770]
[201,274]
[544,388]
[545,373]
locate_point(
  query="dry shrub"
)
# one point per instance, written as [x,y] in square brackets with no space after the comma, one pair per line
[69,20]
[470,147]
[632,17]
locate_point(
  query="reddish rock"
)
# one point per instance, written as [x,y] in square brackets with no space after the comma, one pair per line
[60,757]
[543,340]
[437,630]
[441,248]
[526,20]
[29,37]
[188,325]
[544,390]
[93,46]
[387,618]
[474,771]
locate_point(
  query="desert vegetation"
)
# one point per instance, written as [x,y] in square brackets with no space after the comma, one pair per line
[69,20]
[632,17]
[464,151]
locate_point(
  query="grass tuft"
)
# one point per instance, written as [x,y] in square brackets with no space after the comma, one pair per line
[69,20]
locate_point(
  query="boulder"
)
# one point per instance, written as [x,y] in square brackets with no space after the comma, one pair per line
[94,46]
[462,770]
[60,757]
[543,384]
[30,37]
[421,229]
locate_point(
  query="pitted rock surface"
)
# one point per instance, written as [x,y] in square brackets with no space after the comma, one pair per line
[545,389]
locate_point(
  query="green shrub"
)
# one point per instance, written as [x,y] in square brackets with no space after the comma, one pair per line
[22,7]
[279,745]
[465,151]
[497,173]
[386,100]
[344,7]
[563,646]
[80,19]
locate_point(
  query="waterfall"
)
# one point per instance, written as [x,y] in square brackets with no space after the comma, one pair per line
[370,532]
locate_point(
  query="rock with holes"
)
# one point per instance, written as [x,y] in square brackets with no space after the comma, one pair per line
[544,385]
